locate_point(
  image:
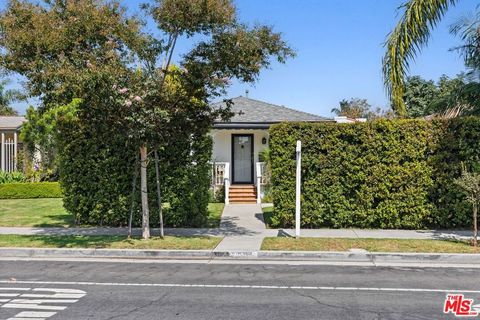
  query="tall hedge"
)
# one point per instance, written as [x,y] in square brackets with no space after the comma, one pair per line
[379,174]
[96,164]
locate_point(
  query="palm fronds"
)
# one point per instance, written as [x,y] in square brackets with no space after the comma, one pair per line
[405,41]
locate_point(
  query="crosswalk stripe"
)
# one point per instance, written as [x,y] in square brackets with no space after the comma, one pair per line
[32,306]
[25,318]
[15,289]
[39,301]
[34,314]
[58,295]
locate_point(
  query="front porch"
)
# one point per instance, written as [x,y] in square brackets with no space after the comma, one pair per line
[237,164]
[239,193]
[8,151]
[10,144]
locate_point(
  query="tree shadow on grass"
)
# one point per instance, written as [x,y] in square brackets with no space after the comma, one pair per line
[69,241]
[63,220]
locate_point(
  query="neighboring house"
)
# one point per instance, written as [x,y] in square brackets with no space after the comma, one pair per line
[9,142]
[238,143]
[343,119]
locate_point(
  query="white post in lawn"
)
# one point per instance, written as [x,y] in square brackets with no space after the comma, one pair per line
[297,191]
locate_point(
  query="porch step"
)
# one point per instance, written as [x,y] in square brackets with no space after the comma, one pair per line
[243,194]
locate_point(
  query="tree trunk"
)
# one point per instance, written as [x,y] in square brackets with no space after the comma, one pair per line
[159,194]
[475,225]
[143,187]
[132,205]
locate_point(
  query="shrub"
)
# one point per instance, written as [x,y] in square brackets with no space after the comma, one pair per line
[30,190]
[218,196]
[380,174]
[96,164]
[11,177]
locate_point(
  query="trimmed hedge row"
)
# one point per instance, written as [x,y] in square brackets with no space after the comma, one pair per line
[380,174]
[96,165]
[30,190]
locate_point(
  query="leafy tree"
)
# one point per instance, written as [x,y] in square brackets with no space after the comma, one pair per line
[62,46]
[418,96]
[470,183]
[40,133]
[231,50]
[447,97]
[451,95]
[7,96]
[91,50]
[356,108]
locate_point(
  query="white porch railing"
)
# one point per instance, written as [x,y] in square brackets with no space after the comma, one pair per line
[221,177]
[261,180]
[8,153]
[226,178]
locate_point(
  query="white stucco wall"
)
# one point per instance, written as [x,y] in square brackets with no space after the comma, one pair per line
[222,145]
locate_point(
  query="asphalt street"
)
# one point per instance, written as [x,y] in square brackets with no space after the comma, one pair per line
[106,290]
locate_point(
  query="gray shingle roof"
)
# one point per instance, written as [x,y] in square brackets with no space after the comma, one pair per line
[8,122]
[251,111]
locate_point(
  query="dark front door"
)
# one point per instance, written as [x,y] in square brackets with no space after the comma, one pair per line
[242,158]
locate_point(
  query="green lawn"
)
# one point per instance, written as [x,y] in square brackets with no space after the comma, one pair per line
[50,213]
[34,213]
[109,242]
[267,216]
[214,214]
[373,245]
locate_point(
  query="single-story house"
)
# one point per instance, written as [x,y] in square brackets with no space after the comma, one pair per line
[237,164]
[10,142]
[238,145]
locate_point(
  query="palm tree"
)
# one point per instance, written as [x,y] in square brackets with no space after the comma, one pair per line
[405,41]
[7,96]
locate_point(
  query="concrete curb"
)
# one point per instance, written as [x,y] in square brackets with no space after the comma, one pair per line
[103,253]
[375,257]
[338,257]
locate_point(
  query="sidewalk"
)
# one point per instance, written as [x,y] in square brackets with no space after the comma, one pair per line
[236,229]
[243,229]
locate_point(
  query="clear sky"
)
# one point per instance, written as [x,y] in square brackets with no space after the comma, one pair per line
[339,50]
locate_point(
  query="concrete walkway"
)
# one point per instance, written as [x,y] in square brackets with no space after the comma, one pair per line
[244,226]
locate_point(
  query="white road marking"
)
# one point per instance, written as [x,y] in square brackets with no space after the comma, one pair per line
[38,301]
[15,289]
[31,306]
[57,295]
[48,296]
[25,318]
[34,314]
[237,286]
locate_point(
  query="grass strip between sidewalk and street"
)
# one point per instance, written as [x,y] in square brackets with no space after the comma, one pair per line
[109,242]
[372,245]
